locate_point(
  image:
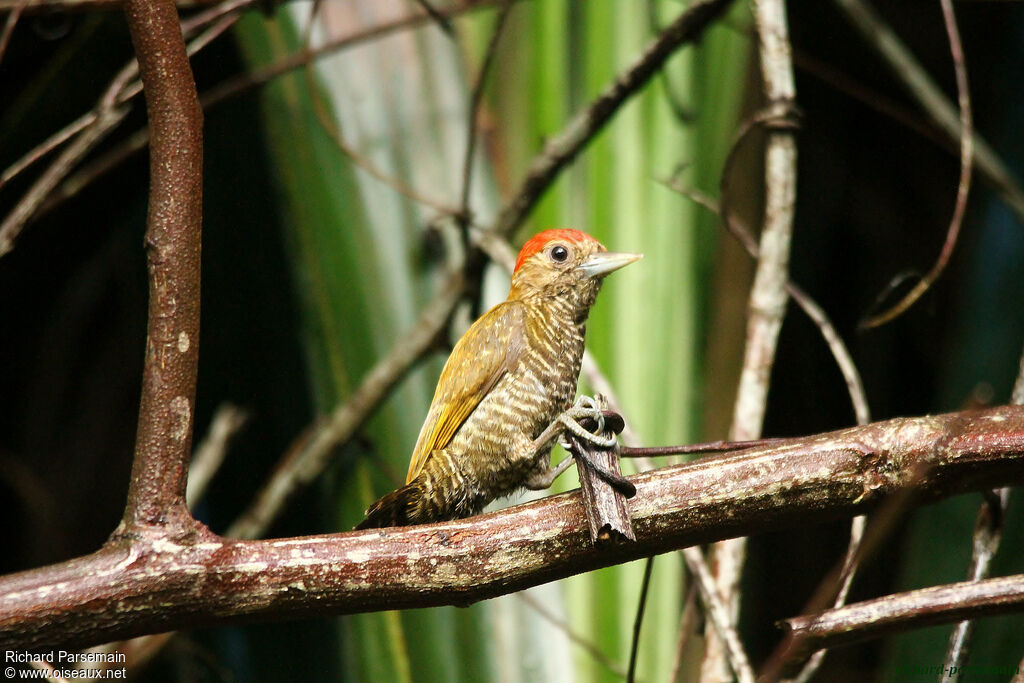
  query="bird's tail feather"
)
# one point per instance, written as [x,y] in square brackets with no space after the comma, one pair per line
[397,508]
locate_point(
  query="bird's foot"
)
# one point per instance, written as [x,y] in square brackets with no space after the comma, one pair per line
[587,406]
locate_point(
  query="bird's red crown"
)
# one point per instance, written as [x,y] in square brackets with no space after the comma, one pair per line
[537,242]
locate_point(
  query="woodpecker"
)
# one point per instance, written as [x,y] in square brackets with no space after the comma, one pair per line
[493,420]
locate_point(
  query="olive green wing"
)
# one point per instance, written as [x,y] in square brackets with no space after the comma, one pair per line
[489,349]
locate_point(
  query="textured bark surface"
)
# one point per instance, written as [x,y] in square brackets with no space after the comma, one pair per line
[163,446]
[897,613]
[149,583]
[604,490]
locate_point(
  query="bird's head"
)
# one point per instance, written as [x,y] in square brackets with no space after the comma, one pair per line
[565,265]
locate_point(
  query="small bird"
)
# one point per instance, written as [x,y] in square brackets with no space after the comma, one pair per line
[492,423]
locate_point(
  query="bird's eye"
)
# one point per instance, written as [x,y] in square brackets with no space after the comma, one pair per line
[559,253]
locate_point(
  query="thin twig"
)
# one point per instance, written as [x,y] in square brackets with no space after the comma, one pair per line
[442,20]
[963,186]
[943,126]
[90,129]
[929,96]
[245,81]
[12,21]
[696,448]
[199,20]
[47,146]
[634,649]
[123,86]
[26,208]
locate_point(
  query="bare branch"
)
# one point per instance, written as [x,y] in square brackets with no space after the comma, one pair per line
[768,296]
[905,611]
[963,186]
[697,448]
[150,584]
[12,21]
[156,495]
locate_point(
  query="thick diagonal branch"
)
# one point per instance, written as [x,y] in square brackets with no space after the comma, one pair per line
[157,584]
